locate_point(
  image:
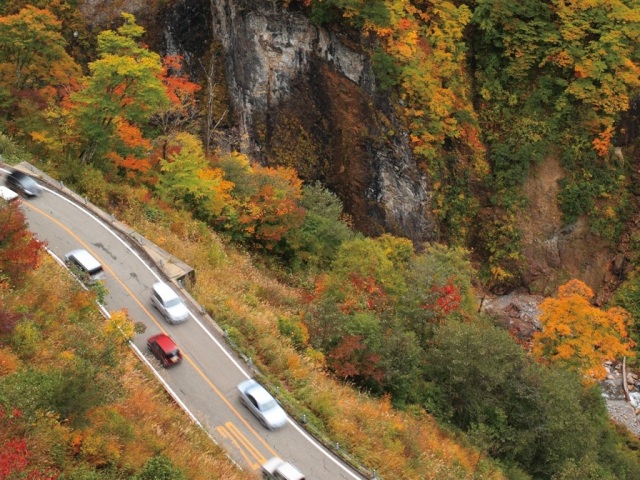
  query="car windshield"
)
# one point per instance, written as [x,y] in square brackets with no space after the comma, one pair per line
[173,302]
[172,353]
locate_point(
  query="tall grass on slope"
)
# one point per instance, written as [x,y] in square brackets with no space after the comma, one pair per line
[248,303]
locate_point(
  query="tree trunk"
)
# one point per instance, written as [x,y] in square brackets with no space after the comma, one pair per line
[624,380]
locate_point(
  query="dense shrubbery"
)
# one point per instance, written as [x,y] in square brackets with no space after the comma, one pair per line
[404,324]
[549,79]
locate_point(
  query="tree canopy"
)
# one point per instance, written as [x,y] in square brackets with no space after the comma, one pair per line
[580,336]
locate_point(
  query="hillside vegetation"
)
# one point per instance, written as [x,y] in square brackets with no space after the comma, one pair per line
[378,343]
[75,403]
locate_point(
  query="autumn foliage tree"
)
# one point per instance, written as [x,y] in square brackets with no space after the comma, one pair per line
[578,335]
[189,181]
[19,249]
[265,203]
[352,360]
[32,51]
[182,108]
[35,69]
[123,91]
[16,459]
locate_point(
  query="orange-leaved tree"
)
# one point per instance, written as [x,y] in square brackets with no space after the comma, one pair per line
[181,92]
[579,335]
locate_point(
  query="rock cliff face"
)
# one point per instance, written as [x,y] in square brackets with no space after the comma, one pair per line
[556,253]
[304,98]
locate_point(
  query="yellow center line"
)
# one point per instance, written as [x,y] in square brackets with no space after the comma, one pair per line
[225,432]
[233,430]
[153,319]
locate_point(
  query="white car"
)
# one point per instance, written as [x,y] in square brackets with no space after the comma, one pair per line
[85,265]
[260,402]
[277,469]
[7,195]
[169,303]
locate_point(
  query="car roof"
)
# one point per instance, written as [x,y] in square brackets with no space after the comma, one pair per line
[284,468]
[18,174]
[289,471]
[7,194]
[164,342]
[22,177]
[164,290]
[85,258]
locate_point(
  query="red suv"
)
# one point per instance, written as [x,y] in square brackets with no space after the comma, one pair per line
[164,349]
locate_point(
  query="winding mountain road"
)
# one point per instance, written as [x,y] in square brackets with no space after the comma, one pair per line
[205,382]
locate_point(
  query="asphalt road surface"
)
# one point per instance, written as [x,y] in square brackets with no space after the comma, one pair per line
[205,382]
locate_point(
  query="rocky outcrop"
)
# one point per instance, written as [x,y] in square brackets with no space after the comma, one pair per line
[555,253]
[305,97]
[302,96]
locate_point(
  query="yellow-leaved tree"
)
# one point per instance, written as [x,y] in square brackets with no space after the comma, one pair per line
[579,335]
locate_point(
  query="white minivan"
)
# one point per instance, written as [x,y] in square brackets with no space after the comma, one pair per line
[169,303]
[277,469]
[83,264]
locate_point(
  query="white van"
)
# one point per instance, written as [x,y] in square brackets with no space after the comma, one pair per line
[277,469]
[169,303]
[7,195]
[83,263]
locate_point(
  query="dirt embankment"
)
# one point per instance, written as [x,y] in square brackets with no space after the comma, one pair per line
[556,253]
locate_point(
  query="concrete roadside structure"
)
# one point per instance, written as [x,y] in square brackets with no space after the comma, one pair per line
[173,268]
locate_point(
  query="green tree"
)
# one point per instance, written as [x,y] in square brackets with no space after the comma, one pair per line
[586,469]
[441,280]
[317,240]
[536,418]
[187,179]
[160,468]
[367,258]
[123,91]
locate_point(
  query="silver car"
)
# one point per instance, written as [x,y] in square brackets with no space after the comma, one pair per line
[260,402]
[169,303]
[83,264]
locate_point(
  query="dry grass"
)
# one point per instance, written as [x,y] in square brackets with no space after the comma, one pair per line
[169,431]
[249,302]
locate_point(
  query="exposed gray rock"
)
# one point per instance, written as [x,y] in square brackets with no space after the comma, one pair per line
[280,68]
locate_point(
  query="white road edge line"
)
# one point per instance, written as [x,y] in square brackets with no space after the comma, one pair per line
[117,237]
[321,448]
